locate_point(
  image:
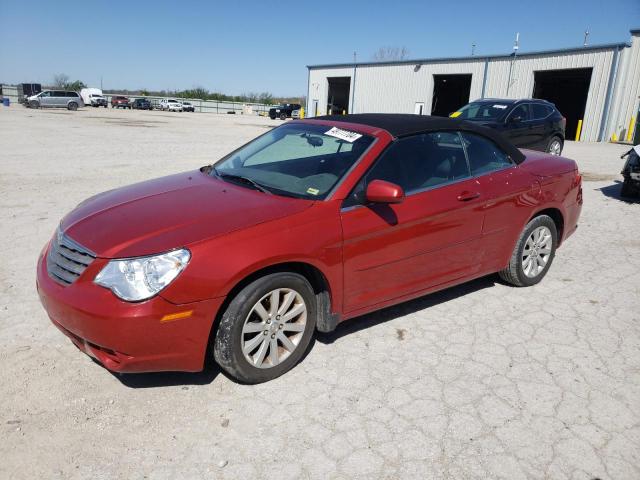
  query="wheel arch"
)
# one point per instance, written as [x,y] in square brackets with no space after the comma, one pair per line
[326,321]
[557,217]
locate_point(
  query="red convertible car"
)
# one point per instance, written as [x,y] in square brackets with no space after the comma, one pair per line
[313,223]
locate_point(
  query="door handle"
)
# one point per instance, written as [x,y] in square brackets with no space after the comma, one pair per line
[467,196]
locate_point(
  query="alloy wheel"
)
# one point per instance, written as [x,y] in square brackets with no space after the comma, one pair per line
[537,251]
[555,148]
[274,328]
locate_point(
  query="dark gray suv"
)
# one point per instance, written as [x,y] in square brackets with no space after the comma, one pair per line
[55,99]
[527,123]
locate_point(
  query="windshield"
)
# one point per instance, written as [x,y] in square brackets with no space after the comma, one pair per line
[482,111]
[299,160]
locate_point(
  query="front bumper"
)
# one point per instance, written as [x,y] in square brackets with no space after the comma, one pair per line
[124,336]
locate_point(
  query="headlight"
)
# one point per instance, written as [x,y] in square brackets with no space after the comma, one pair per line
[136,279]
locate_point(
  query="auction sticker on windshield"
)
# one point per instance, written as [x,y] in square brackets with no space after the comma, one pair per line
[345,135]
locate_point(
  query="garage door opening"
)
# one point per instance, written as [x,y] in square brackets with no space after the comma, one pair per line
[338,97]
[568,90]
[450,92]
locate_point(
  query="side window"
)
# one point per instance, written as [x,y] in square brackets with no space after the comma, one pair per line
[45,94]
[484,155]
[540,111]
[417,163]
[521,111]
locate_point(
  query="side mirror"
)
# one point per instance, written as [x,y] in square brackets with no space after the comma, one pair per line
[379,191]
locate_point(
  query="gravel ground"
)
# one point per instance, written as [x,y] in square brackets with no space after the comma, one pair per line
[479,381]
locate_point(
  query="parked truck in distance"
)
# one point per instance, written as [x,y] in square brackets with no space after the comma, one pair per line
[93,97]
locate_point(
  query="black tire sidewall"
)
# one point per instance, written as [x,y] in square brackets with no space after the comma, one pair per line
[227,346]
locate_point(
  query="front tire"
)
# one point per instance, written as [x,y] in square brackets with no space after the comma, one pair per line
[283,116]
[533,254]
[73,106]
[628,189]
[267,328]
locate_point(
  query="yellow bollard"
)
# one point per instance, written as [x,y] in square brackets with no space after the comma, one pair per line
[614,137]
[630,129]
[578,130]
[302,112]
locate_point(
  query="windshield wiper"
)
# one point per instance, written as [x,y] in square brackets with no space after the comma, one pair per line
[246,180]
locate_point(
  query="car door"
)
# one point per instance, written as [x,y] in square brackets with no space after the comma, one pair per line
[509,196]
[391,250]
[45,99]
[517,126]
[58,98]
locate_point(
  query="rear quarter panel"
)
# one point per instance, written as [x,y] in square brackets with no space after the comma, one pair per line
[560,187]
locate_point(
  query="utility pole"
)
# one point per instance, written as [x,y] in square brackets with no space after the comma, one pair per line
[516,46]
[473,49]
[586,38]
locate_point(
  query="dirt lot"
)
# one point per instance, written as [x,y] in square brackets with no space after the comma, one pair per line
[480,381]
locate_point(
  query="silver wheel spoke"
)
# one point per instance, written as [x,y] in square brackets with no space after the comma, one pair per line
[252,327]
[262,351]
[293,327]
[252,344]
[288,300]
[286,343]
[273,352]
[295,311]
[260,310]
[275,300]
[544,251]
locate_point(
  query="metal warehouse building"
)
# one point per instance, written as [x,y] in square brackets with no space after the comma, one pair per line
[599,85]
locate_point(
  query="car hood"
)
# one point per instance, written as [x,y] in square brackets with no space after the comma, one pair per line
[170,212]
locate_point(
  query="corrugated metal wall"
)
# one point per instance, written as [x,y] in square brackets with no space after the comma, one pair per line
[626,98]
[396,87]
[522,80]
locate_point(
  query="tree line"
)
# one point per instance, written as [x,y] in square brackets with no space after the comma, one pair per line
[62,81]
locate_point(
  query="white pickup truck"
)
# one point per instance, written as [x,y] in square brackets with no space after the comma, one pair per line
[171,105]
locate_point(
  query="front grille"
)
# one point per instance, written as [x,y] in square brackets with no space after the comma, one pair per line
[67,259]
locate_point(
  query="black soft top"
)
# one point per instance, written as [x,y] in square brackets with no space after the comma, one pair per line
[404,124]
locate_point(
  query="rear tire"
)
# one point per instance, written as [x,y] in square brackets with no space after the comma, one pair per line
[533,254]
[555,145]
[283,116]
[73,106]
[253,323]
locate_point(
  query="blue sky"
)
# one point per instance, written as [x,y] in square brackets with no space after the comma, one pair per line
[241,46]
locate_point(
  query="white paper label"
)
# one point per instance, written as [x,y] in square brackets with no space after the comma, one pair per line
[345,135]
[501,107]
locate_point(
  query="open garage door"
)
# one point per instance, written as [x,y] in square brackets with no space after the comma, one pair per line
[450,92]
[338,97]
[568,90]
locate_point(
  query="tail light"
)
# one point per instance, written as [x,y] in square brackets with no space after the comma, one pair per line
[577,183]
